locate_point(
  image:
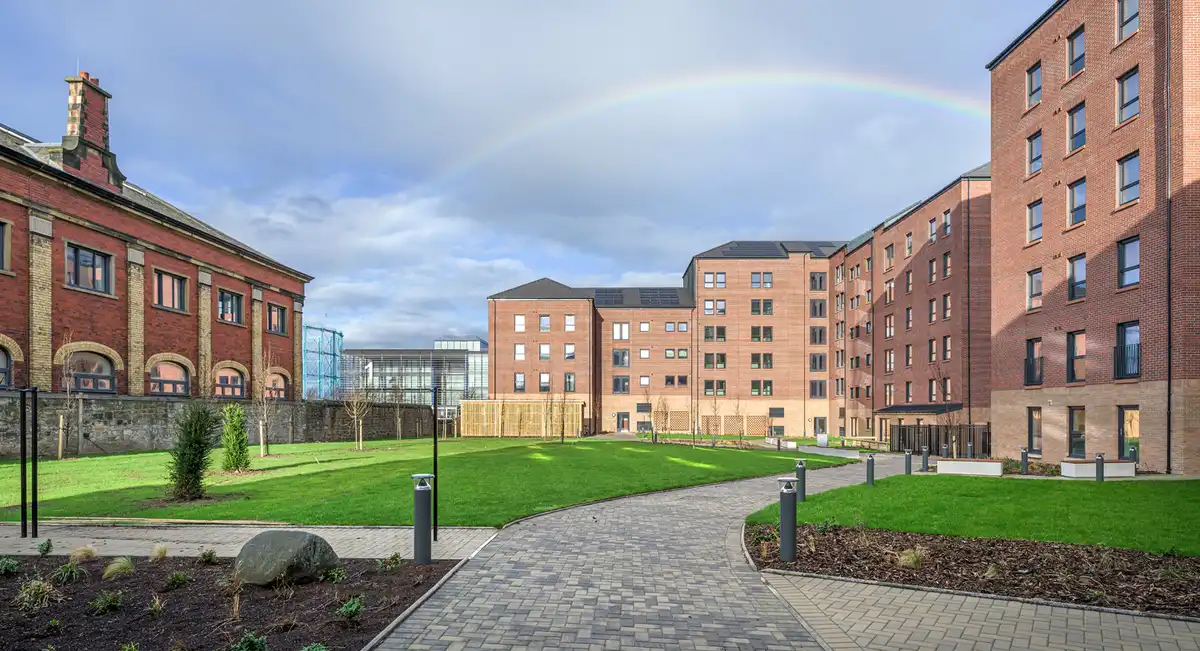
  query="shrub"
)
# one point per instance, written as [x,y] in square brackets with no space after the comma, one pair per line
[334,575]
[912,558]
[34,594]
[177,580]
[208,557]
[83,554]
[68,572]
[118,567]
[45,547]
[352,609]
[391,563]
[52,627]
[158,553]
[157,605]
[234,440]
[315,646]
[129,646]
[9,566]
[106,602]
[826,526]
[250,642]
[193,445]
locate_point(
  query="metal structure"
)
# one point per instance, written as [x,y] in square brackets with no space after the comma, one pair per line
[406,376]
[27,424]
[322,363]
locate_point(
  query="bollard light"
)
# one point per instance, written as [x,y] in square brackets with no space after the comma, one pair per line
[945,451]
[870,470]
[908,462]
[1099,466]
[924,458]
[801,488]
[422,519]
[970,449]
[787,519]
[1024,461]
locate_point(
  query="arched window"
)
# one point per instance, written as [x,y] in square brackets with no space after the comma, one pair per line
[5,368]
[168,379]
[230,384]
[92,373]
[275,388]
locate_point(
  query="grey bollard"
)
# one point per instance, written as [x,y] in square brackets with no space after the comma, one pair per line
[422,520]
[908,462]
[870,470]
[1133,454]
[801,488]
[924,458]
[1024,461]
[1099,466]
[787,519]
[970,449]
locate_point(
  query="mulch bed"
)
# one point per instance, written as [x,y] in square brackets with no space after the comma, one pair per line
[1080,574]
[199,615]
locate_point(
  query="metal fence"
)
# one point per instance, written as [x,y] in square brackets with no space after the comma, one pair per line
[954,437]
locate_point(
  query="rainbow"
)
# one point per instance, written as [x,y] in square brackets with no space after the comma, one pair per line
[841,81]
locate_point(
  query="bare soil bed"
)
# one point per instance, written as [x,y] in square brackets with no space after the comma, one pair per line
[199,616]
[1080,574]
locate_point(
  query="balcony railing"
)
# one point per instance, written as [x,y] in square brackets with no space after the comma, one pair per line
[1127,361]
[1033,371]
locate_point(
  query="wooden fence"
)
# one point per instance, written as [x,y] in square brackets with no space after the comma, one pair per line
[954,437]
[521,418]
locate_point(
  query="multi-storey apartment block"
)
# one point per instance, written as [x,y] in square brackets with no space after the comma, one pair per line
[1096,166]
[797,338]
[108,289]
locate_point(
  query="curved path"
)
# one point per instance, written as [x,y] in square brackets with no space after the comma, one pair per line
[659,571]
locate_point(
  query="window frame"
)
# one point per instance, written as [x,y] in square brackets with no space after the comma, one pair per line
[229,390]
[180,294]
[1124,29]
[1124,341]
[1030,295]
[1124,100]
[620,382]
[518,382]
[273,310]
[1075,358]
[1122,182]
[1031,210]
[185,383]
[241,306]
[72,252]
[1077,127]
[568,351]
[1077,277]
[568,382]
[1074,435]
[1033,85]
[6,368]
[1033,162]
[1122,262]
[1030,437]
[1076,55]
[1076,211]
[543,323]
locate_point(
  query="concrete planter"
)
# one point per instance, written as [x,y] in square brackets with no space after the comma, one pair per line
[785,444]
[977,467]
[1086,469]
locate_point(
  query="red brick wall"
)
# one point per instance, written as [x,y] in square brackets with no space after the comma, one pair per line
[168,331]
[14,287]
[232,341]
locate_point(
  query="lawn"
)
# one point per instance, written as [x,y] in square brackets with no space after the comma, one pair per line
[1155,516]
[485,482]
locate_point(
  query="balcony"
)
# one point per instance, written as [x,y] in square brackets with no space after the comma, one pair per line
[1127,362]
[1033,371]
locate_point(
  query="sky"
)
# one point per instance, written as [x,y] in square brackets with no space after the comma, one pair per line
[417,157]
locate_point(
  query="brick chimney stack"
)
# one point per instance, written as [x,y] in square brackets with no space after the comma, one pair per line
[85,146]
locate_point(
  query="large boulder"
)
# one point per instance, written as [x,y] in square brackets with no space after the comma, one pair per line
[284,554]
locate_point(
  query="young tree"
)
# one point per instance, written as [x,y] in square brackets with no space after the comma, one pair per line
[196,427]
[950,421]
[234,439]
[266,402]
[356,404]
[663,409]
[73,403]
[741,425]
[716,410]
[649,401]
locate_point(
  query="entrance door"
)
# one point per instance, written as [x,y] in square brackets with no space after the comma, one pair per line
[623,421]
[1129,433]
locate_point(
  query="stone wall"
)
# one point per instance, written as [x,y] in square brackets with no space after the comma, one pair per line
[127,424]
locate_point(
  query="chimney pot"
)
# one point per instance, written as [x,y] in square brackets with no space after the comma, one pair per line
[84,74]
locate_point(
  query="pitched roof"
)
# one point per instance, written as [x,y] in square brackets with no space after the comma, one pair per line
[50,154]
[1026,34]
[548,289]
[542,288]
[934,408]
[754,249]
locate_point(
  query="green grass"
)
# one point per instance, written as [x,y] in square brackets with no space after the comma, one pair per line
[485,482]
[1155,516]
[700,438]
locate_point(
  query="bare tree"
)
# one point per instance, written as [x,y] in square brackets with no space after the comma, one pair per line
[741,424]
[951,420]
[716,410]
[266,402]
[73,406]
[693,414]
[562,415]
[356,405]
[663,407]
[648,400]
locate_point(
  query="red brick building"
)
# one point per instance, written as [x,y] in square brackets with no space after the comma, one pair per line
[1096,168]
[112,290]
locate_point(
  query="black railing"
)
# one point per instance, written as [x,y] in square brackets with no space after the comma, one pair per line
[954,437]
[1127,361]
[1033,371]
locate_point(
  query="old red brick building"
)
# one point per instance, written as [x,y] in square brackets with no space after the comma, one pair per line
[112,290]
[1096,168]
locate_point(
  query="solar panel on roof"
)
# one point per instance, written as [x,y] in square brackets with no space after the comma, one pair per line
[609,297]
[658,296]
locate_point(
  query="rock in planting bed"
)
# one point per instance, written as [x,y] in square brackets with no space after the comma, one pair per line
[199,615]
[1082,574]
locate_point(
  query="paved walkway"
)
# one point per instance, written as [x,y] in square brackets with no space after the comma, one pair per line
[661,571]
[227,540]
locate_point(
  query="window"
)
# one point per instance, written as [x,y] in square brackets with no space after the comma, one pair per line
[889,254]
[1034,215]
[816,308]
[644,381]
[519,323]
[275,387]
[720,387]
[932,310]
[620,384]
[644,326]
[519,352]
[644,353]
[907,244]
[166,379]
[1075,53]
[945,347]
[621,358]
[1034,147]
[544,323]
[1077,442]
[889,360]
[768,333]
[276,319]
[946,265]
[670,326]
[720,308]
[709,333]
[946,223]
[932,390]
[544,352]
[1034,289]
[1077,199]
[755,387]
[5,368]
[1130,171]
[5,263]
[1129,432]
[1127,18]
[569,351]
[720,360]
[1077,127]
[229,384]
[1127,357]
[1033,85]
[1076,356]
[519,383]
[229,306]
[720,280]
[889,395]
[1033,362]
[816,388]
[932,351]
[816,362]
[908,318]
[708,280]
[682,353]
[755,333]
[720,333]
[932,270]
[668,380]
[908,281]
[709,360]
[819,425]
[945,306]
[1033,420]
[889,326]
[88,269]
[1129,262]
[889,291]
[169,289]
[755,280]
[908,355]
[755,307]
[92,373]
[767,280]
[709,308]
[708,388]
[620,332]
[755,360]
[669,352]
[1077,278]
[816,281]
[682,326]
[569,382]
[569,323]
[908,391]
[816,334]
[946,389]
[1128,96]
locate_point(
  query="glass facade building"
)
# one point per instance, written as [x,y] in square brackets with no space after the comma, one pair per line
[458,366]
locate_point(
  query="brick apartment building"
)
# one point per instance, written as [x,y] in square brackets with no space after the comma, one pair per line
[774,335]
[1096,234]
[116,291]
